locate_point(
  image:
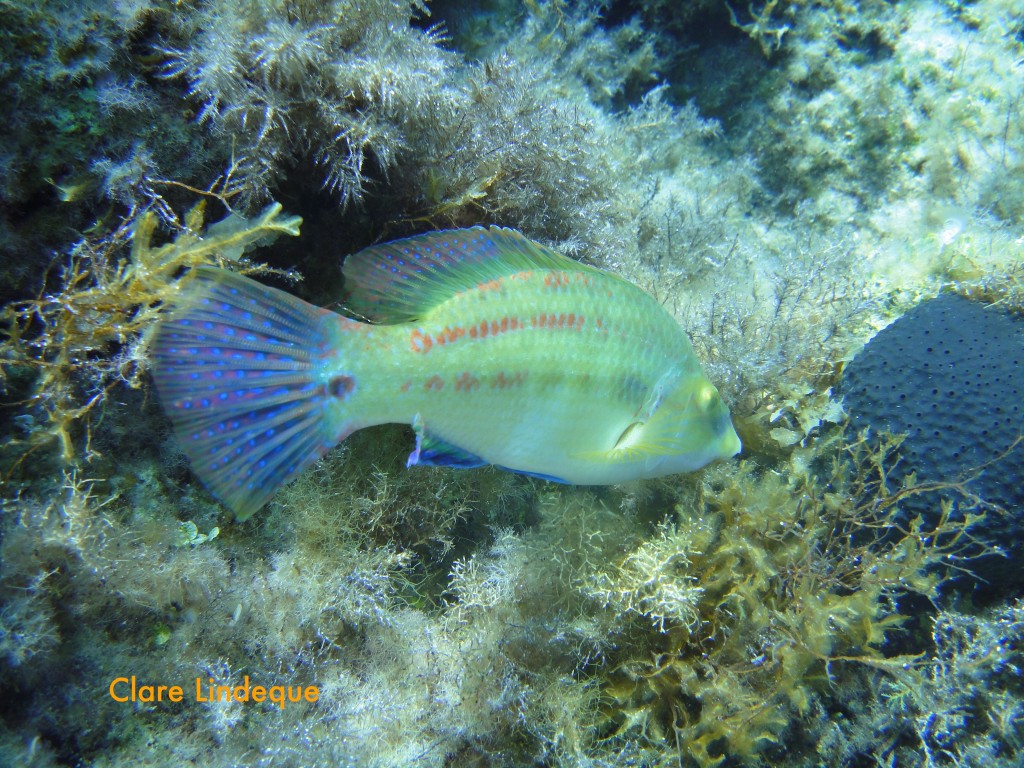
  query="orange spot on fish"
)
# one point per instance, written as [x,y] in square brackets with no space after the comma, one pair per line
[448,335]
[555,279]
[503,381]
[514,323]
[495,330]
[435,383]
[526,275]
[406,385]
[466,382]
[504,324]
[420,341]
[473,332]
[351,326]
[491,285]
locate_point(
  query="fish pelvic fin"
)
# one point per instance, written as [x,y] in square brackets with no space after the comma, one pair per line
[240,369]
[433,451]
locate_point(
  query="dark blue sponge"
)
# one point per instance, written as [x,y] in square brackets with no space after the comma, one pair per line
[950,374]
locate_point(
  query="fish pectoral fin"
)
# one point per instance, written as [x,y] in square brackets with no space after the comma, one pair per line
[626,438]
[637,442]
[433,451]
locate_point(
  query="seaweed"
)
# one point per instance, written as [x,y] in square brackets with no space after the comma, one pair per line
[89,335]
[758,598]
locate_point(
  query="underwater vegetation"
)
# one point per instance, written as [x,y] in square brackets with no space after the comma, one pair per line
[107,300]
[785,178]
[766,593]
[334,82]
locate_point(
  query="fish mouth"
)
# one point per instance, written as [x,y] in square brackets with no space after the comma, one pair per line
[729,440]
[731,443]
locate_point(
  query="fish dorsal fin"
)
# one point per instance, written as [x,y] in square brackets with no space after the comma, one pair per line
[402,280]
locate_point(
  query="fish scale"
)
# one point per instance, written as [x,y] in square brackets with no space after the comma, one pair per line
[496,349]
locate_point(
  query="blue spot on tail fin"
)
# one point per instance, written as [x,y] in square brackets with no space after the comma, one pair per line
[238,367]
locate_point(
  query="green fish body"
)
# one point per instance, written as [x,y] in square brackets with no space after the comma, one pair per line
[496,349]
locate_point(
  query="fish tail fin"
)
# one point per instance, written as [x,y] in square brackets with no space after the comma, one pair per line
[241,370]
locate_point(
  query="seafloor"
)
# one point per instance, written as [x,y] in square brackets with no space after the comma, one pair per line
[786,177]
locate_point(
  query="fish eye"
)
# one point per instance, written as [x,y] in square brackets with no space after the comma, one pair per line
[705,397]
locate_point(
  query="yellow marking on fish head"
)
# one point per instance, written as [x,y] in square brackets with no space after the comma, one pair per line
[683,427]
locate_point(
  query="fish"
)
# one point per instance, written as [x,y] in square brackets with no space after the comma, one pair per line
[494,348]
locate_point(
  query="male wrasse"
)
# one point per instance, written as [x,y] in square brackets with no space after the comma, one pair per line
[496,349]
